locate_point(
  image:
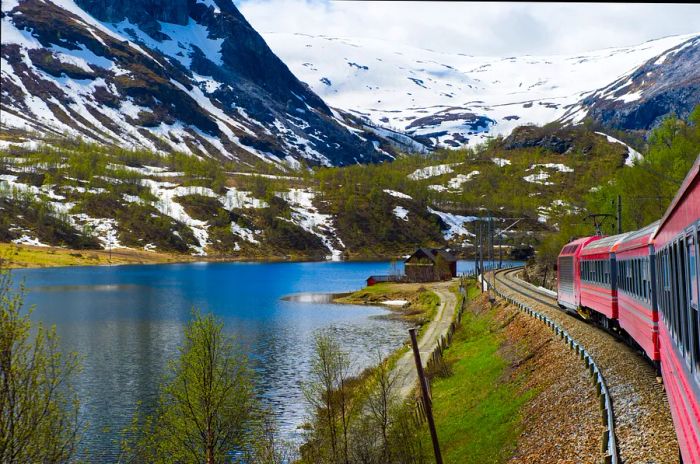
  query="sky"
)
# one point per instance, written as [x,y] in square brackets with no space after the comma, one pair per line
[480,29]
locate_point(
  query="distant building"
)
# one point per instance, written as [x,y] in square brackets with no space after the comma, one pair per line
[429,265]
[376,279]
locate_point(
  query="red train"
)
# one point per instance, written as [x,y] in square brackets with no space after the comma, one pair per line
[646,285]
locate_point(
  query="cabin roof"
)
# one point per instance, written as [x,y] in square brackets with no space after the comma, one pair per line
[433,253]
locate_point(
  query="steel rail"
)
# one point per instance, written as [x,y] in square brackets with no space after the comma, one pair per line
[609,439]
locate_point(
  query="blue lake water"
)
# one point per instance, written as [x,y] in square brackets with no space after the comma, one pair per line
[127,321]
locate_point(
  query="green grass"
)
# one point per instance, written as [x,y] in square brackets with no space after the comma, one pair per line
[476,409]
[423,303]
[22,256]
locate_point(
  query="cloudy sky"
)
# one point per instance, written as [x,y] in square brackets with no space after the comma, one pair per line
[499,29]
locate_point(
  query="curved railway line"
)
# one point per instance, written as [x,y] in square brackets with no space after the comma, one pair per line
[641,425]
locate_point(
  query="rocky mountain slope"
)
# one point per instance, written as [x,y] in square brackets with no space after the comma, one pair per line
[451,100]
[668,83]
[164,75]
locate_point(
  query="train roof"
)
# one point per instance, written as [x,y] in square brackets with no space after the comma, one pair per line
[686,189]
[638,238]
[574,246]
[604,245]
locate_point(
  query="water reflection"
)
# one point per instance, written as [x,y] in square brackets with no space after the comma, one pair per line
[127,322]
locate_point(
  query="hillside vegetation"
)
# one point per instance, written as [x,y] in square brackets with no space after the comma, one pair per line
[85,196]
[646,188]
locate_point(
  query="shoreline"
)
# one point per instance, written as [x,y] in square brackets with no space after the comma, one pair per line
[40,257]
[21,256]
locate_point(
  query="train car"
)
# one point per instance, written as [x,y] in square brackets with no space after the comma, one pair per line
[636,299]
[676,244]
[568,273]
[598,280]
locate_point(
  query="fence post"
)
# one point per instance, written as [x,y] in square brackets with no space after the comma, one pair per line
[426,397]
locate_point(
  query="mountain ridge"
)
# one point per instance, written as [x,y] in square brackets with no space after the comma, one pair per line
[456,99]
[210,87]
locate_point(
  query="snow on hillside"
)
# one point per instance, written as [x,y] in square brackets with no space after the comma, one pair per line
[456,224]
[432,171]
[452,99]
[396,194]
[401,213]
[307,217]
[632,154]
[163,86]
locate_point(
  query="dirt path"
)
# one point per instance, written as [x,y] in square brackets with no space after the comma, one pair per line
[405,366]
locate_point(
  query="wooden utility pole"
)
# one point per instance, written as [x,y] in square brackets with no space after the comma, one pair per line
[426,397]
[481,256]
[619,214]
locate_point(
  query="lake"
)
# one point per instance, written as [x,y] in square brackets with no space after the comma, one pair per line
[127,321]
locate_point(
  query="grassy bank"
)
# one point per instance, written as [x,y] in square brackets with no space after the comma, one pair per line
[421,303]
[30,256]
[477,407]
[27,256]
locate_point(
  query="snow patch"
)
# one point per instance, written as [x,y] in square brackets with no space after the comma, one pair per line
[456,224]
[538,178]
[401,213]
[457,181]
[632,154]
[396,194]
[558,166]
[306,216]
[432,171]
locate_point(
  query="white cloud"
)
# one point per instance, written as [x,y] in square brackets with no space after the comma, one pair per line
[500,29]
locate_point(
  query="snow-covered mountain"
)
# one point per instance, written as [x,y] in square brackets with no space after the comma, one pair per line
[189,75]
[669,83]
[457,99]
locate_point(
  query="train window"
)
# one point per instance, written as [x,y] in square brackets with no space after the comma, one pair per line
[647,273]
[638,278]
[692,272]
[603,272]
[683,298]
[629,276]
[601,277]
[673,303]
[643,269]
[621,274]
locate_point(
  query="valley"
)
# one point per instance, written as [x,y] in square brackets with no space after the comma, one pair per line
[115,134]
[200,193]
[83,196]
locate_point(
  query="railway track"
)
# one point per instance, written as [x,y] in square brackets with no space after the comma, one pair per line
[641,428]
